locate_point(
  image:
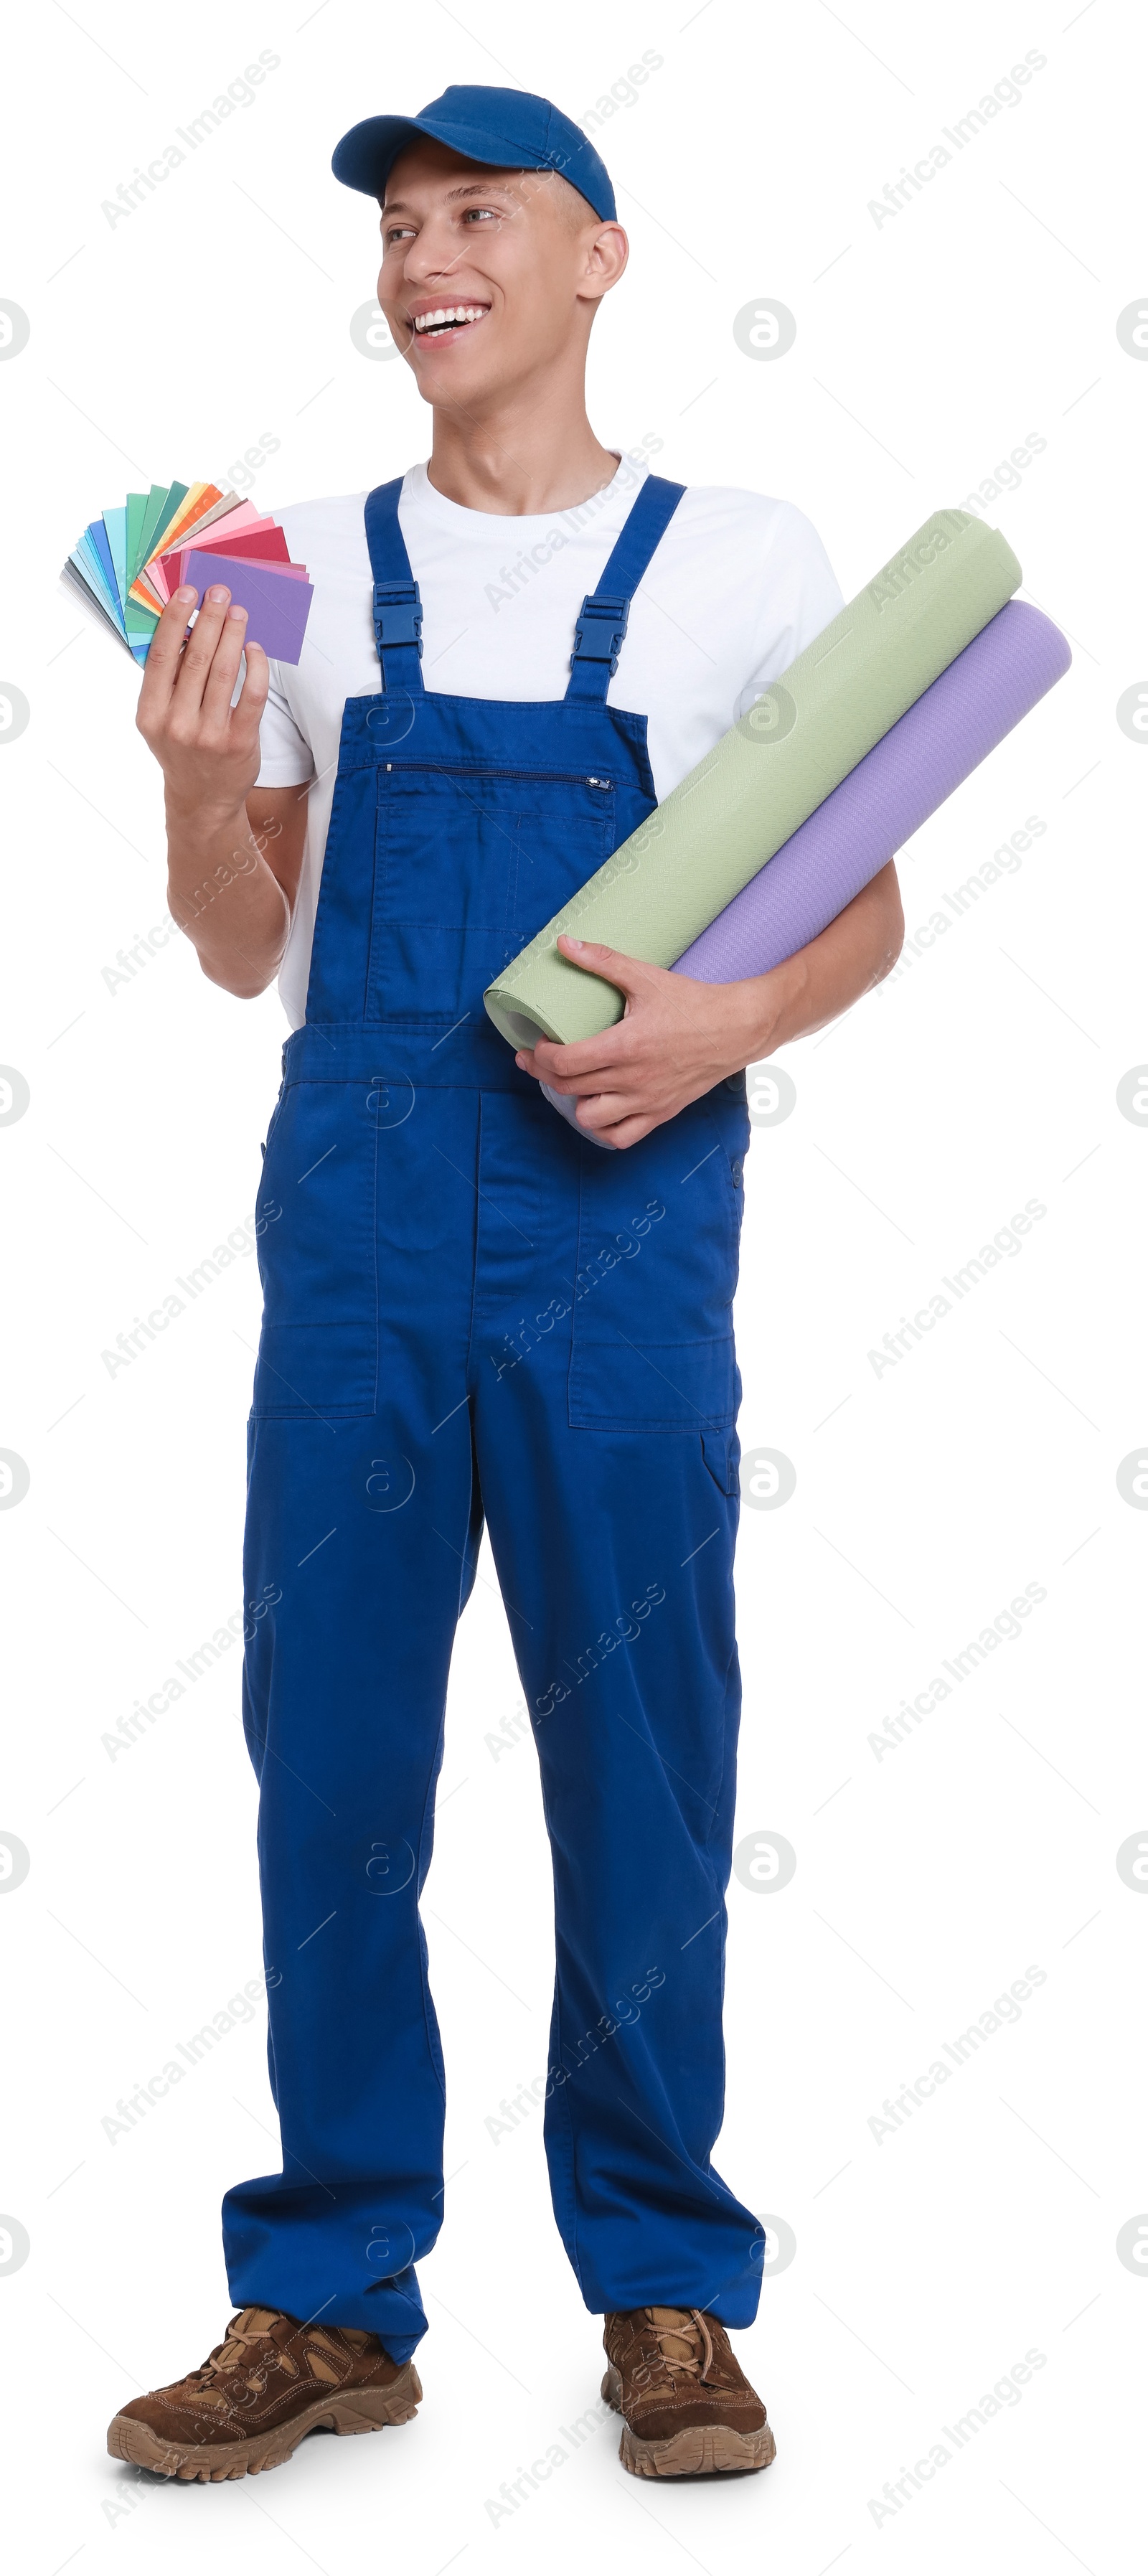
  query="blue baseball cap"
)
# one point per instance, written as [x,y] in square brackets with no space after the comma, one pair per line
[505,129]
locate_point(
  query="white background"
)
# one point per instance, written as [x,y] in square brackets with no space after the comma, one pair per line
[983,1075]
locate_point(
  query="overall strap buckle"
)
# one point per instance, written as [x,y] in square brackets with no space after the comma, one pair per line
[398,615]
[604,615]
[599,632]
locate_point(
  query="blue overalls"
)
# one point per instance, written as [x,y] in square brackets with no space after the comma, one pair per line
[472,1314]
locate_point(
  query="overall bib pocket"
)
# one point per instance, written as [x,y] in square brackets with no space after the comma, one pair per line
[469,864]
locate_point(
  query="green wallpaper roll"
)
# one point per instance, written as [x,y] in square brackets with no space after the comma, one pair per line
[670,879]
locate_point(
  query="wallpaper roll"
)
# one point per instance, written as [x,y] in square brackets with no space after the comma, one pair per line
[990,687]
[923,758]
[666,883]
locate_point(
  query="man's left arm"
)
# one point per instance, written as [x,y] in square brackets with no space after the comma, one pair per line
[677,1037]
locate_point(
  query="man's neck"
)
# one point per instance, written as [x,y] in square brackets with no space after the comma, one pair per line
[533,455]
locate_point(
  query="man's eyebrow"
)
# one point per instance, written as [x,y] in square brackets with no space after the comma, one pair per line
[475,188]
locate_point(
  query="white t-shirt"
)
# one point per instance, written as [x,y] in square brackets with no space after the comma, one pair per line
[737,588]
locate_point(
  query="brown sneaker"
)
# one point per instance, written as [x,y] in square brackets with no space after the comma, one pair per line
[687,2407]
[268,2383]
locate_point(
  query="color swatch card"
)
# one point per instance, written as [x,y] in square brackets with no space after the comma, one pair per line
[277,598]
[129,561]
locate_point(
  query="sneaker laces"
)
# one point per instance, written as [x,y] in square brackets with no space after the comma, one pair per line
[684,2341]
[250,2327]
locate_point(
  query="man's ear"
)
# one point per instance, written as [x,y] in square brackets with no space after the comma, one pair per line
[607,254]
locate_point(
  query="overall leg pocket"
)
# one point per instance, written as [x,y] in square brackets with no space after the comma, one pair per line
[315,1221]
[659,1229]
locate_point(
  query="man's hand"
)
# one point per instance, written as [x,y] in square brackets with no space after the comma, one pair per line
[207,749]
[676,1038]
[234,854]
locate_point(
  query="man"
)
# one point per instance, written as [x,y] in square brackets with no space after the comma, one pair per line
[473,1312]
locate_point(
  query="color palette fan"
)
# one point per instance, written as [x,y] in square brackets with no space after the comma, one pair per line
[129,561]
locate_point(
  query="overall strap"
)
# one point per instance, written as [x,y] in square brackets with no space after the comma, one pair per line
[604,614]
[396,607]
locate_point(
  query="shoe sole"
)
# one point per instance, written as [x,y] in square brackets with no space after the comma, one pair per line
[362,2410]
[699,2450]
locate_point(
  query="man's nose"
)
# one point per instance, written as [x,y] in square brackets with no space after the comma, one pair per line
[435,254]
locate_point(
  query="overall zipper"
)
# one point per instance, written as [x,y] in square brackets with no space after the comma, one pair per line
[477,769]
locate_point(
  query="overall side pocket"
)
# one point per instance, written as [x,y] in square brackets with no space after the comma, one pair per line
[315,1217]
[659,1227]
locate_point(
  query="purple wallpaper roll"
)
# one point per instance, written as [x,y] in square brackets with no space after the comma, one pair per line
[998,678]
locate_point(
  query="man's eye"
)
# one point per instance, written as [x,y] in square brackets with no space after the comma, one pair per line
[481,214]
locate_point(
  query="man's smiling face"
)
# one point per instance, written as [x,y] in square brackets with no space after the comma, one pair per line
[487,274]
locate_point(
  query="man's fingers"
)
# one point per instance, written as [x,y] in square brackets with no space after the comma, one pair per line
[584,1057]
[207,666]
[630,974]
[577,1086]
[620,1124]
[603,1109]
[161,668]
[200,652]
[252,697]
[223,669]
[587,1086]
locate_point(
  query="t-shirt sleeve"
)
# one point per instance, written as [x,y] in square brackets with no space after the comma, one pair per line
[800,594]
[285,753]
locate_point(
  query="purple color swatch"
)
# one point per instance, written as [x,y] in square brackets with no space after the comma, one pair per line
[995,682]
[277,604]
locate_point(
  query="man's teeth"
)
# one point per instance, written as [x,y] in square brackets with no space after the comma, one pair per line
[448,314]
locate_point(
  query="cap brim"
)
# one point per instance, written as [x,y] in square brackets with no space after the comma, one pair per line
[367,153]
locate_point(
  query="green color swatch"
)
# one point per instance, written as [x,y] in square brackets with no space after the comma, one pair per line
[143,518]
